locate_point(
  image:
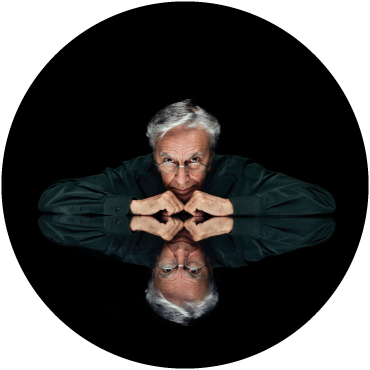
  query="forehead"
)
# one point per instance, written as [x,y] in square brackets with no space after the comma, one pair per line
[181,140]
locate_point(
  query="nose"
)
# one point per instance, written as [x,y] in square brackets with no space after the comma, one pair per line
[181,175]
[181,256]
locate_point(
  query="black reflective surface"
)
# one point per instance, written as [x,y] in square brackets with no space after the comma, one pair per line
[271,279]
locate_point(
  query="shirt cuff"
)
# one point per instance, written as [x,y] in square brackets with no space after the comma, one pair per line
[246,206]
[117,225]
[118,205]
[246,226]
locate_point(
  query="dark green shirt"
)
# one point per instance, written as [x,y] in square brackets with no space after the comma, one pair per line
[253,190]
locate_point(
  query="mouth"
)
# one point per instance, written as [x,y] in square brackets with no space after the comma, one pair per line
[182,240]
[183,191]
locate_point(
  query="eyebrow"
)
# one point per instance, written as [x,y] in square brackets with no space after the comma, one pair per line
[163,154]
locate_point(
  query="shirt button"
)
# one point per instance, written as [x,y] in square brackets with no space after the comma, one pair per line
[116,221]
[80,208]
[116,209]
[80,221]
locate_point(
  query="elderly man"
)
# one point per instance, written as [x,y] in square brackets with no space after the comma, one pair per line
[184,174]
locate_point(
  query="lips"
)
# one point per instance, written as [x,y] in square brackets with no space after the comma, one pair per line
[182,240]
[183,191]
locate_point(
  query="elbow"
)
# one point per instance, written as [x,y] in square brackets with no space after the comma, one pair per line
[41,204]
[330,205]
[44,203]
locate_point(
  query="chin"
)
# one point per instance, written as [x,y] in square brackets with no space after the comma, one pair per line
[184,197]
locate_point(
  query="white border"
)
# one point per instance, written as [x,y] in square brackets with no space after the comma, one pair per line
[32,32]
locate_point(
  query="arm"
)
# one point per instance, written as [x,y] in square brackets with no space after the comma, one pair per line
[109,193]
[267,193]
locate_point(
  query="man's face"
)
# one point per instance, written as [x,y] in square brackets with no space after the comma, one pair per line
[183,287]
[183,146]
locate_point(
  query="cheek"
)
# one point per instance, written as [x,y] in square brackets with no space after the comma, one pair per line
[198,178]
[167,178]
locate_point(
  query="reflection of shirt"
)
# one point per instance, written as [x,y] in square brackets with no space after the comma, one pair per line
[252,238]
[253,190]
[102,233]
[255,238]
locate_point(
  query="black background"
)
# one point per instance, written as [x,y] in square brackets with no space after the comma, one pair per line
[88,110]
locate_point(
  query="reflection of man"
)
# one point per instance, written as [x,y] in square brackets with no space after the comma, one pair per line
[182,286]
[184,173]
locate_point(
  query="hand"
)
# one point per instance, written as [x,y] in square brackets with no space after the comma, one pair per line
[149,206]
[214,226]
[215,206]
[149,224]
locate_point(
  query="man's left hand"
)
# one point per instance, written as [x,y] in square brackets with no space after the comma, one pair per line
[210,204]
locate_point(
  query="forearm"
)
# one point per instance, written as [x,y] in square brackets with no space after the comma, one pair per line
[288,201]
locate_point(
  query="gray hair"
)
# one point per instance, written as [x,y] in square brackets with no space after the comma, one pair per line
[183,113]
[185,313]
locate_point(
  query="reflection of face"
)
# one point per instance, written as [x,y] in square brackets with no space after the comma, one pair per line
[183,287]
[183,146]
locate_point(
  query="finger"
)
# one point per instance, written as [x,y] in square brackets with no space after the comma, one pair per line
[190,225]
[198,213]
[193,205]
[168,207]
[165,218]
[177,202]
[174,205]
[195,230]
[173,227]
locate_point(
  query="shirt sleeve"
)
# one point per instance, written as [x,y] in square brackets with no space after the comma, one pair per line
[109,193]
[267,193]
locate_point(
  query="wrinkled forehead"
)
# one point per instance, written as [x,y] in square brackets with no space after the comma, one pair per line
[182,139]
[180,291]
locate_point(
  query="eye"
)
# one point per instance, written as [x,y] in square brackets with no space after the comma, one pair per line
[193,271]
[166,271]
[168,160]
[195,159]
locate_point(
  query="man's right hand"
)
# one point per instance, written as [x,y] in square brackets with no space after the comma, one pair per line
[149,206]
[149,224]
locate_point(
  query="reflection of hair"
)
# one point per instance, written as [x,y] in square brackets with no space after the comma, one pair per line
[183,113]
[188,310]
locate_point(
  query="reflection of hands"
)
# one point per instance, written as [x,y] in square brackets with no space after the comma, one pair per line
[183,213]
[215,206]
[149,206]
[214,226]
[166,231]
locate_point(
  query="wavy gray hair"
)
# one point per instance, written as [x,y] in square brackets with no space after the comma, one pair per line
[183,113]
[185,313]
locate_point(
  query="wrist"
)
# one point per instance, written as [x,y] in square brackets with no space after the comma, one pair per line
[229,225]
[135,224]
[229,208]
[135,207]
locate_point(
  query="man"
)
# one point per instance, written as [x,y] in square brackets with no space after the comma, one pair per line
[184,174]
